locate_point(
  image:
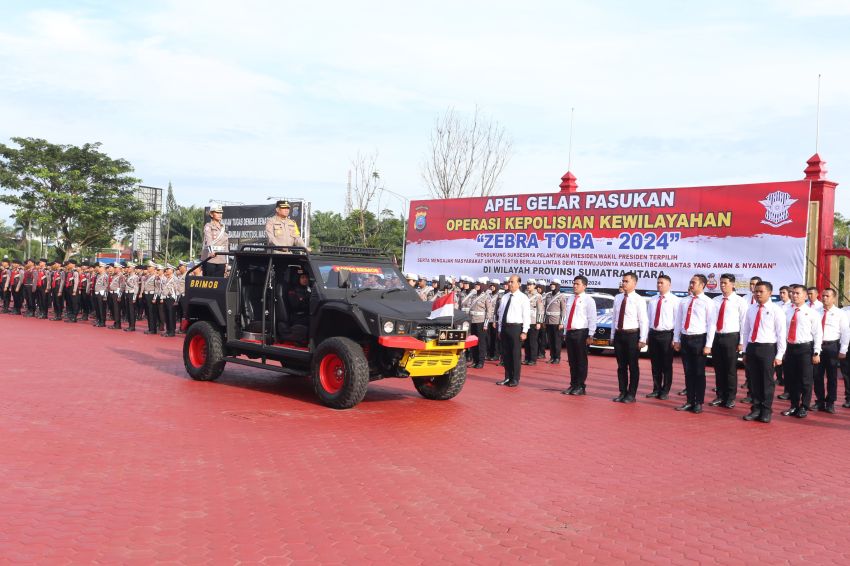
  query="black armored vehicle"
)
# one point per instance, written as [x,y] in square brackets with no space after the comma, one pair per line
[342,317]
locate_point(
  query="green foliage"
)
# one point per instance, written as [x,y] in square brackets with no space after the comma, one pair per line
[182,221]
[384,232]
[841,231]
[79,195]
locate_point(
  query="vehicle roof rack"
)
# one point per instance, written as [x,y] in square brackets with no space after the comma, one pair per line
[351,250]
[267,248]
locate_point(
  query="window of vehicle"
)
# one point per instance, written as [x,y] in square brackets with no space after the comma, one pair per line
[362,275]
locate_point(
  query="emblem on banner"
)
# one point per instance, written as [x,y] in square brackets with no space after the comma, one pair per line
[711,285]
[421,214]
[776,206]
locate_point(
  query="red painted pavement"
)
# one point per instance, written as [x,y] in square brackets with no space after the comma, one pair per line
[109,453]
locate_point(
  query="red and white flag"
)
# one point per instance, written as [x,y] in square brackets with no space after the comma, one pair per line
[443,306]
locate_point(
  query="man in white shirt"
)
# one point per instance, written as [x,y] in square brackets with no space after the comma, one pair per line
[731,310]
[629,330]
[804,335]
[514,319]
[579,325]
[784,302]
[693,336]
[763,340]
[812,299]
[836,337]
[750,294]
[663,310]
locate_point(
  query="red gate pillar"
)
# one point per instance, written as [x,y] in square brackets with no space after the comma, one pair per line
[823,193]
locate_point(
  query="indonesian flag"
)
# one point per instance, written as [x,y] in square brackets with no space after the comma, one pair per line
[443,306]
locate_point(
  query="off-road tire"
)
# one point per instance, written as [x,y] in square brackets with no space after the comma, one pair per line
[444,386]
[203,352]
[340,373]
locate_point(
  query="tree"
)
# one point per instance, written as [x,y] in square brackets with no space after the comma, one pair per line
[86,195]
[466,157]
[170,206]
[187,226]
[841,231]
[384,232]
[364,186]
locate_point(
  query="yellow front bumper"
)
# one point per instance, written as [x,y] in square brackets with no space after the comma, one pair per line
[434,360]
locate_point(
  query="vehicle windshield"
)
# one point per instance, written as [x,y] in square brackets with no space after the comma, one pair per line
[362,275]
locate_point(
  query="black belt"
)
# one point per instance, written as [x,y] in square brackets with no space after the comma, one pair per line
[511,324]
[657,331]
[628,331]
[692,335]
[726,333]
[825,342]
[578,329]
[800,345]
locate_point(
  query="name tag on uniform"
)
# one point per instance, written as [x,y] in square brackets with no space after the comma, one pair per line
[278,230]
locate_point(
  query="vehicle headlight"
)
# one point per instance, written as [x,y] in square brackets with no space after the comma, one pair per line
[389,326]
[465,325]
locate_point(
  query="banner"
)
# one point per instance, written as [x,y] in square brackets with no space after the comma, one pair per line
[246,224]
[746,230]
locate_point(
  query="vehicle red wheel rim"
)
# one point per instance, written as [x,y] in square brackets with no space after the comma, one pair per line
[332,373]
[197,351]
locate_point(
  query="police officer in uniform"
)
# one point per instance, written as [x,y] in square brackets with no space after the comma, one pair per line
[57,289]
[101,289]
[116,292]
[494,345]
[168,298]
[425,292]
[579,325]
[476,302]
[556,310]
[536,305]
[149,291]
[298,298]
[215,242]
[131,295]
[763,340]
[72,291]
[5,277]
[281,230]
[836,338]
[804,335]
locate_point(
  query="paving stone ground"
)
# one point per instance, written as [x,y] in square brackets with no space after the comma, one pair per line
[110,454]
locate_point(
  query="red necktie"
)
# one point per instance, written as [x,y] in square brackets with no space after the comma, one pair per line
[572,311]
[658,312]
[720,315]
[622,312]
[792,330]
[823,321]
[756,324]
[688,316]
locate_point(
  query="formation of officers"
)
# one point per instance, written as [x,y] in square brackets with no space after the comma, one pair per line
[70,291]
[799,342]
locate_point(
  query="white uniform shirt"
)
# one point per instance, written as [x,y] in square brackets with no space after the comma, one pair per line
[633,317]
[836,326]
[669,311]
[584,315]
[749,298]
[519,311]
[771,329]
[702,319]
[808,327]
[817,305]
[733,314]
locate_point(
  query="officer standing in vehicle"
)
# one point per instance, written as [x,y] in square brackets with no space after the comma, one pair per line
[215,242]
[281,230]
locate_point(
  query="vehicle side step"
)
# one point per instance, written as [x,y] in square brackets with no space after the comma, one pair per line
[290,371]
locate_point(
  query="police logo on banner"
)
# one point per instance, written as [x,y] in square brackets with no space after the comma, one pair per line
[421,214]
[776,206]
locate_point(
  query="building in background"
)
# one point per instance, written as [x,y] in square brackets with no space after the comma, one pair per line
[147,239]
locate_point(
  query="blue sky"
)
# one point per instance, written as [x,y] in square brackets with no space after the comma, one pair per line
[240,101]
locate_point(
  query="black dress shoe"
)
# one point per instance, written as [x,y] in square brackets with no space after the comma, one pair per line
[783,396]
[479,365]
[846,404]
[618,398]
[765,416]
[729,405]
[503,382]
[682,393]
[792,412]
[754,413]
[512,383]
[114,328]
[716,402]
[150,332]
[629,399]
[747,400]
[697,408]
[663,396]
[525,363]
[169,335]
[685,407]
[531,364]
[567,391]
[129,330]
[816,407]
[579,391]
[830,408]
[652,395]
[802,413]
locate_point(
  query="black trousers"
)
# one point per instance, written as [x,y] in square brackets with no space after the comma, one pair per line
[724,356]
[151,312]
[627,353]
[41,301]
[130,310]
[693,360]
[511,350]
[72,304]
[7,298]
[542,341]
[760,369]
[477,330]
[170,315]
[493,342]
[799,373]
[29,299]
[661,358]
[828,367]
[531,343]
[85,306]
[576,343]
[18,300]
[553,335]
[58,302]
[214,269]
[100,309]
[115,300]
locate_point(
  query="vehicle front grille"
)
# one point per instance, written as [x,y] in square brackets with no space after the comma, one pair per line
[433,360]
